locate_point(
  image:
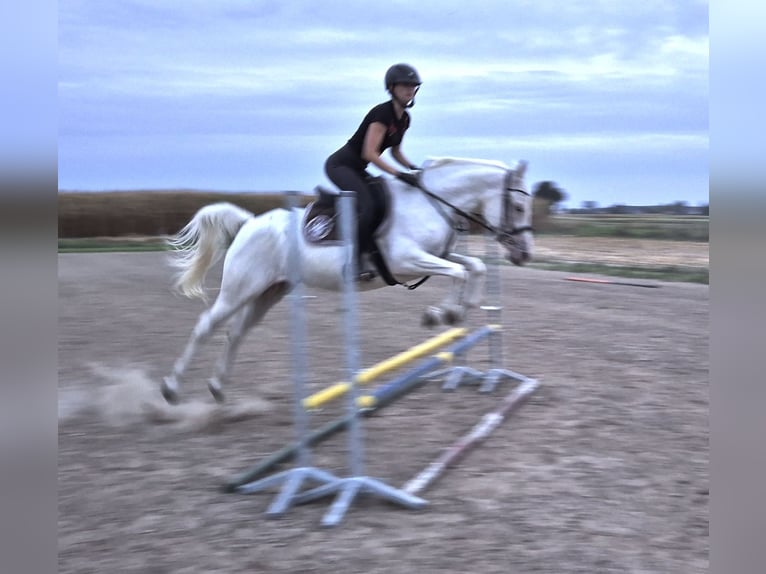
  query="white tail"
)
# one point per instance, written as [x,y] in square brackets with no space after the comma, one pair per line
[201,243]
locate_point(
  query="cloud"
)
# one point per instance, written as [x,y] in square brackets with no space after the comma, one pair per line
[237,73]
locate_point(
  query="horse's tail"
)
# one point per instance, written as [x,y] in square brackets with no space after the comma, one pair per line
[201,242]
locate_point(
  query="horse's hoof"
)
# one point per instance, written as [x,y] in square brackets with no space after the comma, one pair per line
[170,395]
[217,393]
[453,317]
[432,317]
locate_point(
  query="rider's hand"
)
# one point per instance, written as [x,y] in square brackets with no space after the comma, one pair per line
[409,178]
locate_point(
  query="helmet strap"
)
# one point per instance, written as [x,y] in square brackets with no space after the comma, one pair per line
[407,104]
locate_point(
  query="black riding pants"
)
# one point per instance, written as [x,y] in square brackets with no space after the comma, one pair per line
[342,169]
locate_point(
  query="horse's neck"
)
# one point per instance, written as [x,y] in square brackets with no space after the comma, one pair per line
[465,187]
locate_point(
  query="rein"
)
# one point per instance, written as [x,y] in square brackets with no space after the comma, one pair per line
[504,234]
[507,217]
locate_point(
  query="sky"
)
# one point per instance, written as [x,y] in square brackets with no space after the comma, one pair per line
[607,99]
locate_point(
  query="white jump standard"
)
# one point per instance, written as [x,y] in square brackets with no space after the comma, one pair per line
[347,488]
[293,480]
[460,374]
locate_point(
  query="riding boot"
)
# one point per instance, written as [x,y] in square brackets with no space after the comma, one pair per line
[363,272]
[364,243]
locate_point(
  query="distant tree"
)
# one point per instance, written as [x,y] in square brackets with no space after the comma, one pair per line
[589,205]
[549,191]
[679,207]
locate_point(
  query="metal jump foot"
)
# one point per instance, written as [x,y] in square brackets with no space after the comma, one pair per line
[348,488]
[493,376]
[459,375]
[293,480]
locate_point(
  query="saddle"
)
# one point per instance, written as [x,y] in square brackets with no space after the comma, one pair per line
[321,223]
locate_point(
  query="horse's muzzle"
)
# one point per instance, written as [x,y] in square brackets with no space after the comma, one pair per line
[518,246]
[518,251]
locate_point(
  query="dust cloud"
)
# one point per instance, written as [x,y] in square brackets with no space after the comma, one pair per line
[128,396]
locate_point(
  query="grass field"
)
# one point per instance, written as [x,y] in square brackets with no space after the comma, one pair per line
[646,226]
[659,259]
[147,213]
[668,247]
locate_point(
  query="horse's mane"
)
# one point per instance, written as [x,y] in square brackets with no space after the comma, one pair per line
[435,162]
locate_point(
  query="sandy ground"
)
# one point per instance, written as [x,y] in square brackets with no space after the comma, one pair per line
[617,251]
[603,470]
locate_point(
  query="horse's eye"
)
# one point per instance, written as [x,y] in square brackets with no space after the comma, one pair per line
[519,209]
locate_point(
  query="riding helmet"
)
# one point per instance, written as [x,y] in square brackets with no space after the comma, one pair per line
[402,74]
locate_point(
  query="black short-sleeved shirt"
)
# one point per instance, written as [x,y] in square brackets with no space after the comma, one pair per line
[385,114]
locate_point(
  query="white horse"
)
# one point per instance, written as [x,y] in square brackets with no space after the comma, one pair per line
[415,241]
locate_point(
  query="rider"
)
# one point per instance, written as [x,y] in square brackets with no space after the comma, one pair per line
[383,127]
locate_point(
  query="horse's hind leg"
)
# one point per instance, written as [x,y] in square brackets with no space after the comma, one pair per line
[206,325]
[241,323]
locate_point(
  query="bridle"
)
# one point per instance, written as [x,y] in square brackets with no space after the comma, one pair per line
[507,232]
[508,229]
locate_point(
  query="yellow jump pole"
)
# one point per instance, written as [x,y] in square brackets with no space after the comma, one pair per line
[386,366]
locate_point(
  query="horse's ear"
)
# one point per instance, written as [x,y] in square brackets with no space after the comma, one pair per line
[521,168]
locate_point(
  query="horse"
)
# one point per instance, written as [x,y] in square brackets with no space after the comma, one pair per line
[416,241]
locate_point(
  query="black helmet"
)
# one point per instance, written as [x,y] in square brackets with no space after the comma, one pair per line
[402,74]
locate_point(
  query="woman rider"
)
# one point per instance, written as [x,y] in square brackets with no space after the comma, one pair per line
[383,127]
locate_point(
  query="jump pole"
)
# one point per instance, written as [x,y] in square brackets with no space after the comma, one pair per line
[454,453]
[387,393]
[368,405]
[385,367]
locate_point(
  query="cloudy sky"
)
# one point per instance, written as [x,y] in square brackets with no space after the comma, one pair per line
[609,99]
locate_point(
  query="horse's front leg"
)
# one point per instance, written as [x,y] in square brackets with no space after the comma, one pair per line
[452,309]
[470,294]
[463,295]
